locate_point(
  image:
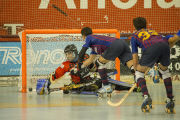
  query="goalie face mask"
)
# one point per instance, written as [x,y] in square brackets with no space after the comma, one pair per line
[70,56]
[71,53]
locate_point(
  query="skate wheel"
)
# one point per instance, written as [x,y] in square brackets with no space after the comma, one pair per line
[109,95]
[156,77]
[174,111]
[147,107]
[152,106]
[155,68]
[100,95]
[168,111]
[144,111]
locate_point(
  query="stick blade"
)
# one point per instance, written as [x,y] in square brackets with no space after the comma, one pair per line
[113,104]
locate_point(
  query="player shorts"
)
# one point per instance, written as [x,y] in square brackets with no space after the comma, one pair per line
[118,48]
[157,53]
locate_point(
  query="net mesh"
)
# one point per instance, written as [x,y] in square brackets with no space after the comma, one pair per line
[45,53]
[161,15]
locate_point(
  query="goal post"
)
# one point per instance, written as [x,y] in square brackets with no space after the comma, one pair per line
[57,31]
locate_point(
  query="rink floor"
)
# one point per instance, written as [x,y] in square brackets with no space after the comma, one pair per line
[15,105]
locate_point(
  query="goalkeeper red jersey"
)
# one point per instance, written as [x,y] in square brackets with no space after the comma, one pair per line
[66,67]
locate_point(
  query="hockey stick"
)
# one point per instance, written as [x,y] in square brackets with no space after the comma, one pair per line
[126,95]
[56,80]
[63,13]
[56,89]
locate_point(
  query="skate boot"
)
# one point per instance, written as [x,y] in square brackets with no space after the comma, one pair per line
[170,106]
[106,90]
[147,104]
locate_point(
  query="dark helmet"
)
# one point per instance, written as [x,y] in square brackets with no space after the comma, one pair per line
[71,48]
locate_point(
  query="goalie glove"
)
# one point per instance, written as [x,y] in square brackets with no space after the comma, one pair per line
[73,71]
[84,72]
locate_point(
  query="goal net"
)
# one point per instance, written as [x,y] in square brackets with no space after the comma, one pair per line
[43,52]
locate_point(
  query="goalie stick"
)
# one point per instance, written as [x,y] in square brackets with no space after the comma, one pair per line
[56,89]
[56,80]
[69,87]
[126,95]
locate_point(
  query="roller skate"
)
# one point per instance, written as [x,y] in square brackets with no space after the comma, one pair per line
[170,106]
[147,104]
[104,91]
[155,74]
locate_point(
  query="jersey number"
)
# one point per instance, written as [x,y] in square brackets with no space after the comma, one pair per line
[147,34]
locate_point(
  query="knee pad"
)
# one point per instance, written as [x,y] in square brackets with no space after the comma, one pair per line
[138,75]
[165,73]
[99,65]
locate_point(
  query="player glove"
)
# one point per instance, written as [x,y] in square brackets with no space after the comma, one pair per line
[73,71]
[178,34]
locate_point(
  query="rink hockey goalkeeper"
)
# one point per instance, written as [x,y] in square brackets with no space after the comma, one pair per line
[77,76]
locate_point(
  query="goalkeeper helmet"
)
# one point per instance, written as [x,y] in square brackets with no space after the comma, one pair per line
[71,53]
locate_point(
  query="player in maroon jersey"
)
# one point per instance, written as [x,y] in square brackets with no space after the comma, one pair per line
[156,49]
[109,48]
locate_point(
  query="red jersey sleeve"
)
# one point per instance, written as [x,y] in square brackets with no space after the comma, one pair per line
[61,70]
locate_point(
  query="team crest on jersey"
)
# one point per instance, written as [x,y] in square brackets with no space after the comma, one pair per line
[62,66]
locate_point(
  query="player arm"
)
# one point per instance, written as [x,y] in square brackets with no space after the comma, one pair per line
[89,60]
[173,40]
[86,45]
[59,72]
[82,54]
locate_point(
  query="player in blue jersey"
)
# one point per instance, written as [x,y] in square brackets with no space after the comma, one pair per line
[109,48]
[156,49]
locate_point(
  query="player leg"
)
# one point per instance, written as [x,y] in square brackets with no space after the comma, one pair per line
[126,59]
[103,74]
[168,85]
[140,79]
[114,50]
[166,76]
[148,59]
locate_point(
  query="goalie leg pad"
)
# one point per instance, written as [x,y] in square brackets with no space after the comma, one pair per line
[165,74]
[42,86]
[91,87]
[99,65]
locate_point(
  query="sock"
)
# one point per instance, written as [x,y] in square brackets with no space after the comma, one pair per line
[103,75]
[168,86]
[142,85]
